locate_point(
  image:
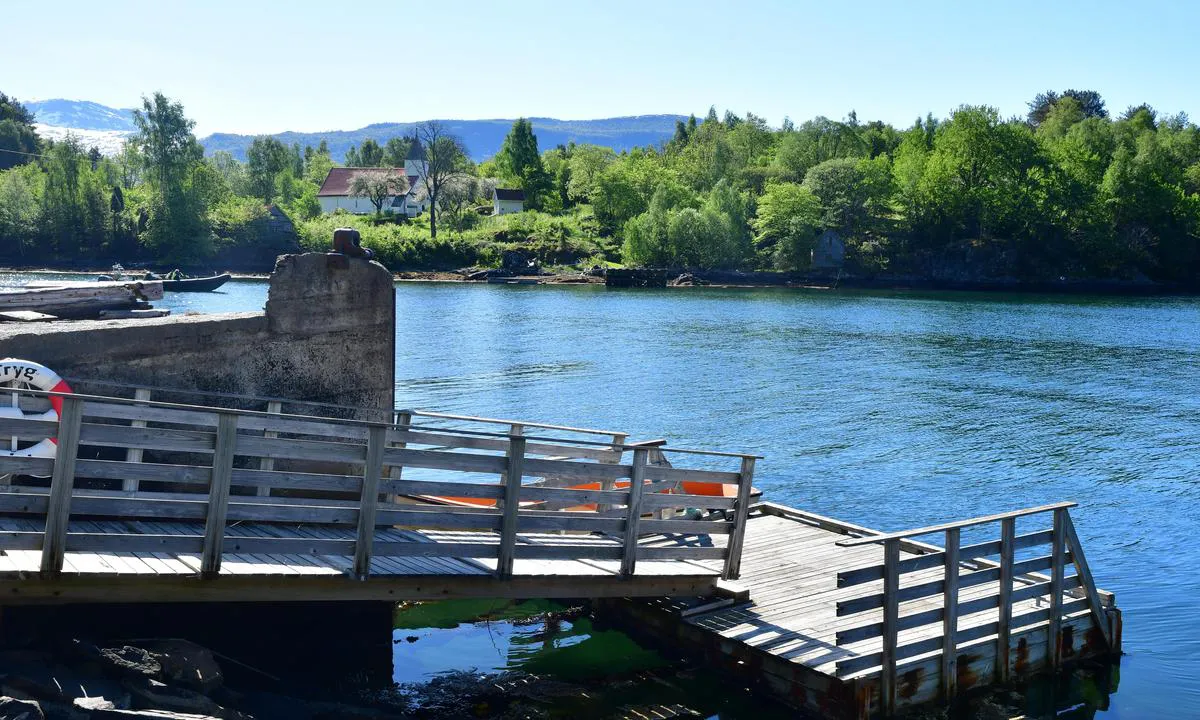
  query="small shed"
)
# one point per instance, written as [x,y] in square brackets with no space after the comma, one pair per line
[508,201]
[830,251]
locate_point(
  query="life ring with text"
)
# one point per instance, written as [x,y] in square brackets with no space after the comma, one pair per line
[19,373]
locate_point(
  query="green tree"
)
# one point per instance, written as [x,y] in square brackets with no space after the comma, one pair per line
[395,151]
[19,142]
[520,162]
[178,228]
[445,159]
[787,224]
[266,158]
[370,154]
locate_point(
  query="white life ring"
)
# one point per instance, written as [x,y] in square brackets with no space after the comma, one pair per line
[16,372]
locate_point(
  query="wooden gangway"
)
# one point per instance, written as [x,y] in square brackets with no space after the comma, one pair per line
[166,501]
[848,622]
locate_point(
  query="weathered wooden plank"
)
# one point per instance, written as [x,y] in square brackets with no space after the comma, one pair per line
[58,508]
[27,429]
[891,618]
[150,413]
[633,512]
[926,561]
[146,438]
[439,460]
[950,615]
[218,496]
[574,470]
[1008,532]
[134,455]
[510,504]
[369,500]
[914,592]
[741,513]
[396,472]
[41,467]
[267,464]
[1084,573]
[293,449]
[658,501]
[904,534]
[674,474]
[1057,568]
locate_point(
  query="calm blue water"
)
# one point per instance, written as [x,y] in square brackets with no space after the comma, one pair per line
[894,410]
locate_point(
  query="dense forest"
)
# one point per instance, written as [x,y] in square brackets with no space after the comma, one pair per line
[1067,191]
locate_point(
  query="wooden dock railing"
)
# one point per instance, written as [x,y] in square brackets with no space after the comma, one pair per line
[1010,588]
[137,459]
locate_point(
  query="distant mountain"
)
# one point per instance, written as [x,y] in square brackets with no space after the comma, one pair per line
[81,115]
[482,137]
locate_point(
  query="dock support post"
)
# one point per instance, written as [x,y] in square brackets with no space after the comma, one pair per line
[275,408]
[511,502]
[741,512]
[950,617]
[633,518]
[218,494]
[1057,567]
[134,455]
[62,483]
[369,500]
[1008,534]
[891,622]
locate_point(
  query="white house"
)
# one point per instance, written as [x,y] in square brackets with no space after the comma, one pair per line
[508,201]
[335,191]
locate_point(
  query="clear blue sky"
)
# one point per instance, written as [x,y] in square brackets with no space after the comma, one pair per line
[253,67]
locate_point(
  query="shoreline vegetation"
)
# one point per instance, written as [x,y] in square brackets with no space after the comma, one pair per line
[1066,199]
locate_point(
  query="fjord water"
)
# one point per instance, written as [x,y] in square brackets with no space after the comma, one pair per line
[894,410]
[890,409]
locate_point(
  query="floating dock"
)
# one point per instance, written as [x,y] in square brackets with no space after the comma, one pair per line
[848,622]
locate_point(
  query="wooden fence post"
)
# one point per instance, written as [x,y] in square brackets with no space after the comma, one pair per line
[741,512]
[891,621]
[633,517]
[134,455]
[62,483]
[511,502]
[950,617]
[1057,567]
[369,500]
[218,494]
[402,421]
[275,408]
[1008,534]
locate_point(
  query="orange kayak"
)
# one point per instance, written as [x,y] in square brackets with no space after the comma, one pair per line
[687,488]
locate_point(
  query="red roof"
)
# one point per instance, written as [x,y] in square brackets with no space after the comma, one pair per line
[338,181]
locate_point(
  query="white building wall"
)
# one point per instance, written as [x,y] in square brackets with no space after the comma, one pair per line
[505,207]
[355,205]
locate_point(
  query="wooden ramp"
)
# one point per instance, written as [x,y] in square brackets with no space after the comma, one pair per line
[148,501]
[834,626]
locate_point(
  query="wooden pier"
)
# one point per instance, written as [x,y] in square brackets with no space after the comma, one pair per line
[848,622]
[151,501]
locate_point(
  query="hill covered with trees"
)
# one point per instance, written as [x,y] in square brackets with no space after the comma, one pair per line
[1069,191]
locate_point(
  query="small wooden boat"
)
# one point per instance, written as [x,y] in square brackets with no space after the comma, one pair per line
[204,284]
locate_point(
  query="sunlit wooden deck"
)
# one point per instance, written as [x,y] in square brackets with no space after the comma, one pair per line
[825,628]
[150,501]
